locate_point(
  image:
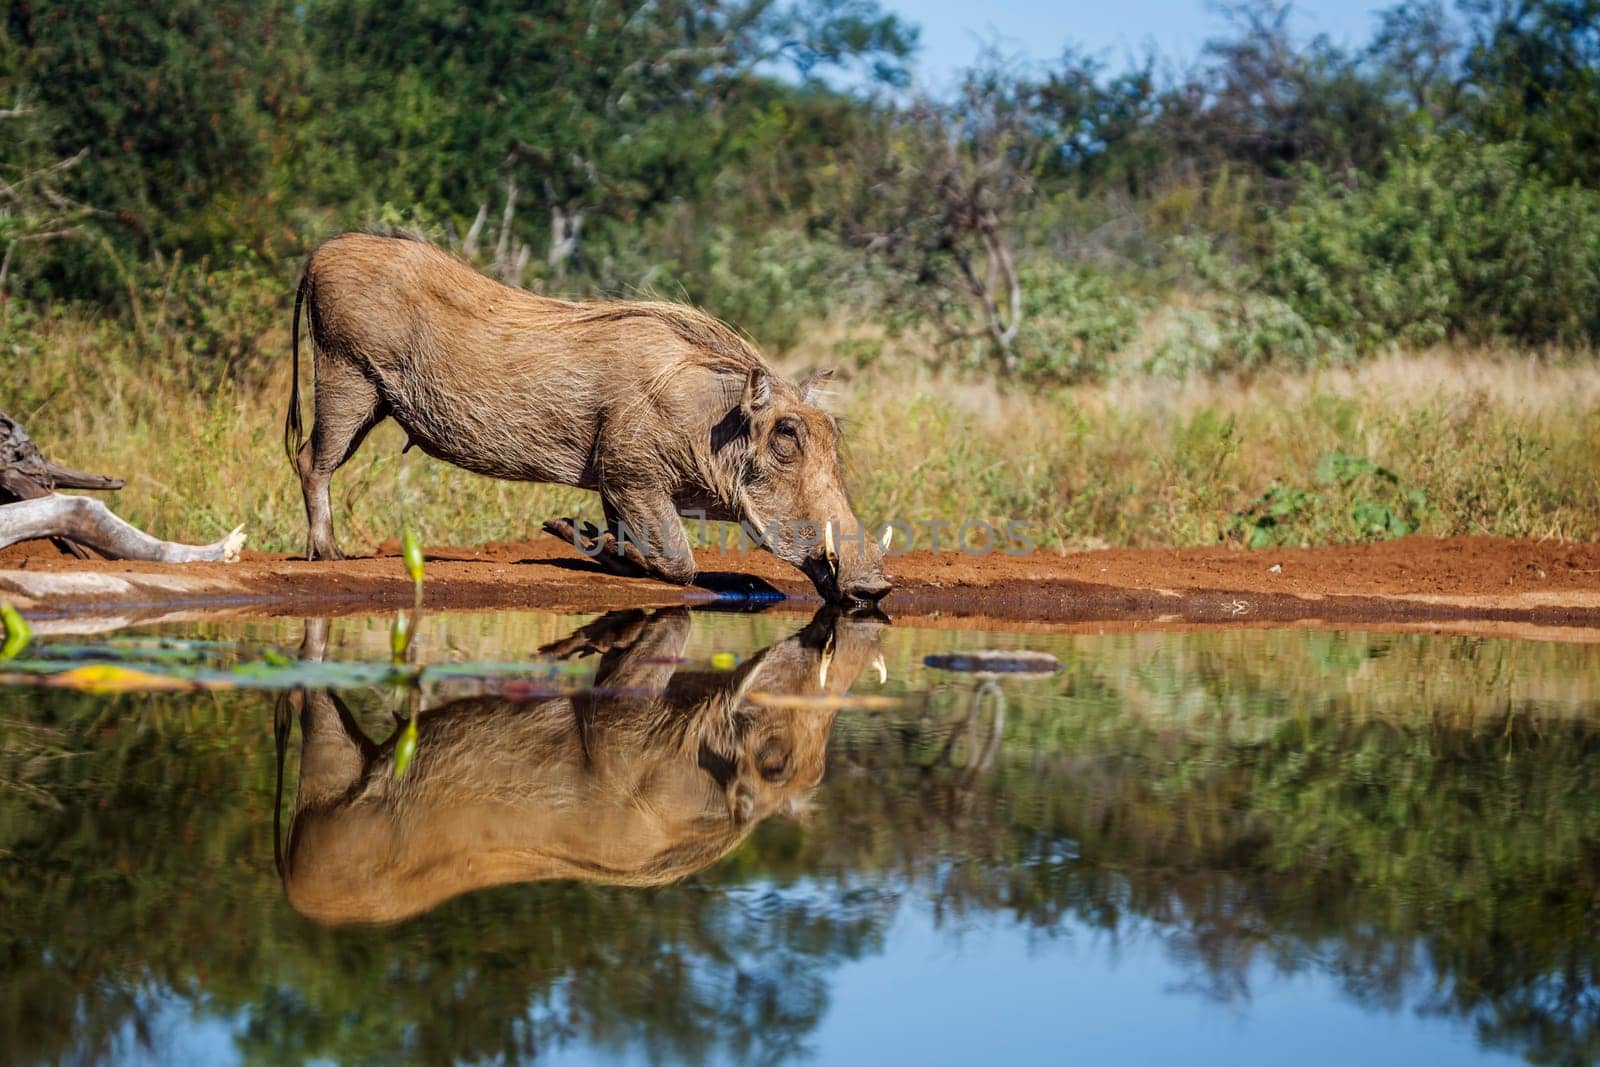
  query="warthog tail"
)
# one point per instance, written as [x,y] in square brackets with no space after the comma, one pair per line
[294,433]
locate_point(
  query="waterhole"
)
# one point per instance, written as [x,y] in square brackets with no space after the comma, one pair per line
[685,837]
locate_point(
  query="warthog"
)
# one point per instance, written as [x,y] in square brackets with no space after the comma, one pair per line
[652,776]
[661,409]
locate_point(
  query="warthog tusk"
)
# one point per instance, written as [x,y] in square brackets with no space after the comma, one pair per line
[822,671]
[885,536]
[883,671]
[827,543]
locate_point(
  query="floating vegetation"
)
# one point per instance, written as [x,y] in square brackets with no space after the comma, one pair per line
[995,661]
[152,664]
[111,678]
[17,633]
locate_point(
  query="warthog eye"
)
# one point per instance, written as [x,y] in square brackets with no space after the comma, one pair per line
[786,439]
[772,762]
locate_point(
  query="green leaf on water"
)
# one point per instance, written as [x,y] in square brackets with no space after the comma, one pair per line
[18,633]
[405,748]
[399,637]
[273,658]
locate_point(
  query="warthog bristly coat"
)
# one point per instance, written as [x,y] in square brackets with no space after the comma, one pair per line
[658,407]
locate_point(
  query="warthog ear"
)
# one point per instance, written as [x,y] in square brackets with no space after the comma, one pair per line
[757,391]
[813,383]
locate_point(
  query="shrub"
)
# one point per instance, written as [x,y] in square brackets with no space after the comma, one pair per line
[1235,327]
[201,321]
[1454,240]
[1242,333]
[223,321]
[1074,320]
[1355,500]
[773,285]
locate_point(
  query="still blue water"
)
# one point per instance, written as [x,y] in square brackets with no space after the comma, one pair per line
[722,838]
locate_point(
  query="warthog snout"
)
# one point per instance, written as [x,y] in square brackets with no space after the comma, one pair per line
[871,590]
[848,567]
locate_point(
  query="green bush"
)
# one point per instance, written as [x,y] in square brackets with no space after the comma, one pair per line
[1074,320]
[1234,327]
[1454,240]
[201,321]
[772,285]
[1355,500]
[1242,333]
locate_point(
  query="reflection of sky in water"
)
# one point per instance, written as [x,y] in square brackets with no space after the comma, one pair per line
[173,1032]
[999,995]
[996,992]
[992,991]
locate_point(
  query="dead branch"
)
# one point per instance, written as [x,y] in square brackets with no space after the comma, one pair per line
[31,509]
[86,521]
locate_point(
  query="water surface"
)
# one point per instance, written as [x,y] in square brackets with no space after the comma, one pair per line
[1230,847]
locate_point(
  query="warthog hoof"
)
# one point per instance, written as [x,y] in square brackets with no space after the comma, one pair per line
[602,547]
[616,629]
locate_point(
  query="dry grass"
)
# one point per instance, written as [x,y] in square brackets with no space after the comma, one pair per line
[1495,442]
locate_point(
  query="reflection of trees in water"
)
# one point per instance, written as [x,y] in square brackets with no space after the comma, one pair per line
[684,973]
[1455,870]
[1436,863]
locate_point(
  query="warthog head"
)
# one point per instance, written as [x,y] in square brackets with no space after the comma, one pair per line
[792,491]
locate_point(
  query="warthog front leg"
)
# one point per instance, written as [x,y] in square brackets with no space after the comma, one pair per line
[646,538]
[637,651]
[602,547]
[89,522]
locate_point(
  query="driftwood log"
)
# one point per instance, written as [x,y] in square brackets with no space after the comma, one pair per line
[31,508]
[27,475]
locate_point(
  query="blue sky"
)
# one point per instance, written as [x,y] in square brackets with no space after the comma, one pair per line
[954,30]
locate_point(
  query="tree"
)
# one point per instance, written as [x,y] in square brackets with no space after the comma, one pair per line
[177,105]
[582,109]
[33,209]
[1534,68]
[1100,120]
[1419,47]
[934,193]
[1272,104]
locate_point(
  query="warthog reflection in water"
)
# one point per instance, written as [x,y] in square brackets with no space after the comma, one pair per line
[656,773]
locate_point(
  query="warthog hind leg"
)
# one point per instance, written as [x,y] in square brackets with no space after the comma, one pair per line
[89,522]
[347,407]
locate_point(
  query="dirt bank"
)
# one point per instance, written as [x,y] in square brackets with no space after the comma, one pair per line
[1482,585]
